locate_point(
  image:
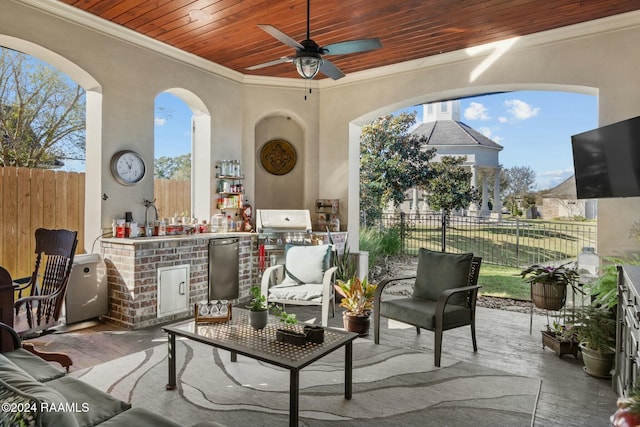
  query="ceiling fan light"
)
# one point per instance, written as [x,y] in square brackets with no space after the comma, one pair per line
[307,66]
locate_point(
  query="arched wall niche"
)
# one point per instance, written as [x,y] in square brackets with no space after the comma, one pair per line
[93,151]
[281,191]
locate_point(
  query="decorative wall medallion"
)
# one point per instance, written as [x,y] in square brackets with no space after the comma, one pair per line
[278,157]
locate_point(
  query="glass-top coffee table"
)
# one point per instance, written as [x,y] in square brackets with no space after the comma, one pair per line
[238,337]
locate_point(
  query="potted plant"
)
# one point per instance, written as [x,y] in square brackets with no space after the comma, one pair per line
[596,330]
[258,309]
[358,301]
[549,284]
[560,339]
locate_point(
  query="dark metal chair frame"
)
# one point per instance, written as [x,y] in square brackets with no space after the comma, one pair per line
[471,293]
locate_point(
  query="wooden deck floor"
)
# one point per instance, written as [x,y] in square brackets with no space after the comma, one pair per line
[569,397]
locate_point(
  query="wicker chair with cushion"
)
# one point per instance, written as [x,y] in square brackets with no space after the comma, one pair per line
[306,278]
[444,296]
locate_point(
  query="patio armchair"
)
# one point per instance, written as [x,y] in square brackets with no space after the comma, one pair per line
[444,297]
[47,285]
[306,278]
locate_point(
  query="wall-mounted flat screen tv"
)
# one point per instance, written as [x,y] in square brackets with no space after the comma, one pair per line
[606,160]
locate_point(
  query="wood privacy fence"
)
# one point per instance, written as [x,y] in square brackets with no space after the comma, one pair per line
[34,198]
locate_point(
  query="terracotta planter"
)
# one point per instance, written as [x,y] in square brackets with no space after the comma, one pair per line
[548,296]
[358,324]
[561,347]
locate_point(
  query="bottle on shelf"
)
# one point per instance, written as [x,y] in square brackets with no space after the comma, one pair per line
[231,224]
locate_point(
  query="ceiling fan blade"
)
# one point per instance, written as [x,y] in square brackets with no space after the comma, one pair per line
[270,63]
[279,35]
[328,69]
[353,46]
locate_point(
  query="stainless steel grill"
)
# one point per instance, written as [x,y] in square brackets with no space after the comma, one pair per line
[283,221]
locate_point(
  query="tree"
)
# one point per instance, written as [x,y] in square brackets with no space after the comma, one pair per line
[450,187]
[177,168]
[391,162]
[521,180]
[42,114]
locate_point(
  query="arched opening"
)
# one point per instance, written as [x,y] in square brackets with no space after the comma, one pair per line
[90,228]
[182,156]
[549,148]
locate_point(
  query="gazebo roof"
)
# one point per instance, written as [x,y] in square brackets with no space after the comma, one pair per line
[453,133]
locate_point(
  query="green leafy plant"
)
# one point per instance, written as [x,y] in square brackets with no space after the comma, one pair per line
[283,316]
[562,275]
[258,301]
[596,327]
[357,295]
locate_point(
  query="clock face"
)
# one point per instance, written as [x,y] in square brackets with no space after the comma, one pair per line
[127,167]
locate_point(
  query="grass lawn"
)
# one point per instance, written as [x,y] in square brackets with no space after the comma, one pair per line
[505,282]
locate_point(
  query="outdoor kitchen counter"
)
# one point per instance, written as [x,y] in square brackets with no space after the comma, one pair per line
[135,267]
[137,240]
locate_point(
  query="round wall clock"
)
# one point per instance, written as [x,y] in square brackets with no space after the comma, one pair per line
[127,167]
[278,157]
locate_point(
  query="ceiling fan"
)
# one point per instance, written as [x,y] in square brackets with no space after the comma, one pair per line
[308,58]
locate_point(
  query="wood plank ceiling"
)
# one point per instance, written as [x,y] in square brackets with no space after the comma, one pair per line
[226,31]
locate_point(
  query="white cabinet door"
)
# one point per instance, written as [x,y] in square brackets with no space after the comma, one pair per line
[173,290]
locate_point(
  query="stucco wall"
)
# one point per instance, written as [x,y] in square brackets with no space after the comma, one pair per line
[591,58]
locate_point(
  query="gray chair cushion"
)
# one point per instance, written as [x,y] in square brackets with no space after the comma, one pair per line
[39,369]
[420,312]
[439,271]
[100,406]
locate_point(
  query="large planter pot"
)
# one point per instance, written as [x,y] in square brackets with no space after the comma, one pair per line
[258,319]
[358,324]
[597,364]
[549,296]
[561,347]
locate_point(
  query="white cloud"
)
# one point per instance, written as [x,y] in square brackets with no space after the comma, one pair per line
[476,111]
[550,179]
[159,121]
[503,119]
[521,110]
[489,134]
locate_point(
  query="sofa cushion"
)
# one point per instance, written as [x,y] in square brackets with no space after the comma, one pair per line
[288,291]
[420,312]
[306,263]
[93,406]
[139,417]
[27,416]
[38,368]
[439,271]
[52,405]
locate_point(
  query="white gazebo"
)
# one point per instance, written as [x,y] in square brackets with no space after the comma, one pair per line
[445,132]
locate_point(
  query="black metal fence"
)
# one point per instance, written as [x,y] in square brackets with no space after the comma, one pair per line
[509,242]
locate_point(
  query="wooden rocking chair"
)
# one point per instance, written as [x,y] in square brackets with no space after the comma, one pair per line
[47,285]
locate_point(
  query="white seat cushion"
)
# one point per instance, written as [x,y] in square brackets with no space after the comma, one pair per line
[306,292]
[307,263]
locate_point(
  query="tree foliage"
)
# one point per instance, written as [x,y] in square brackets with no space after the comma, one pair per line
[42,114]
[450,187]
[391,161]
[519,194]
[177,168]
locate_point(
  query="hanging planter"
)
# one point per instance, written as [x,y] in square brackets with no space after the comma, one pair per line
[550,296]
[549,285]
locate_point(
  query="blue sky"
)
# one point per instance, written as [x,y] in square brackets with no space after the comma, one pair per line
[534,128]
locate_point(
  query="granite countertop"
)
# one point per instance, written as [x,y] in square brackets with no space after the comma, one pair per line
[133,241]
